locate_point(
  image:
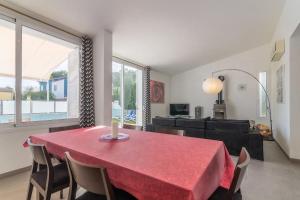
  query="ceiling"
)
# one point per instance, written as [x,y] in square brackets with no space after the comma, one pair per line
[169,35]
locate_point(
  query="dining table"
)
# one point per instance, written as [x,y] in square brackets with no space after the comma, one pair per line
[148,165]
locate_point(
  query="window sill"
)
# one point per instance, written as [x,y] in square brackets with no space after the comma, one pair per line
[6,128]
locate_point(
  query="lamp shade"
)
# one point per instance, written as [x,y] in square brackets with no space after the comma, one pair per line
[212,85]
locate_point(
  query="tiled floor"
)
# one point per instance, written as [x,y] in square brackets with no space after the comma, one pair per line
[276,178]
[15,188]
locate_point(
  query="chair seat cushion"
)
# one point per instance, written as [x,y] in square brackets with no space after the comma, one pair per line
[123,195]
[120,195]
[61,177]
[91,196]
[221,194]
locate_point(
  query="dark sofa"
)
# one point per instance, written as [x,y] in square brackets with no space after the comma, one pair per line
[234,133]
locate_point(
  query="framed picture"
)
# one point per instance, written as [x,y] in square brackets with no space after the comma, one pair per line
[157,92]
[280,84]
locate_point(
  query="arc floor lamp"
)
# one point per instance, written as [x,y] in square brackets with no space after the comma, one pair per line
[213,85]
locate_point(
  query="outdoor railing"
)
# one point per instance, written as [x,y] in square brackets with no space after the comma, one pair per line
[34,107]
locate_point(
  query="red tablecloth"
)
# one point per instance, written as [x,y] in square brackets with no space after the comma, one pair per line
[151,166]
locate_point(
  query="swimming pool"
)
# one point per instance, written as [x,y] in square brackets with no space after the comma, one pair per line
[34,117]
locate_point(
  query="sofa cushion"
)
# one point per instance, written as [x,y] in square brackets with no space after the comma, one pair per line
[61,176]
[231,121]
[228,125]
[232,140]
[194,132]
[161,121]
[190,123]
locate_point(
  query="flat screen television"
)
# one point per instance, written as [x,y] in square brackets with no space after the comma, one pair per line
[179,109]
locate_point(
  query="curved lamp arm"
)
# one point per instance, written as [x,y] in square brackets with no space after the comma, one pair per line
[261,85]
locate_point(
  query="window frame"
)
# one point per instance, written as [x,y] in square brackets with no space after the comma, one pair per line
[21,20]
[129,64]
[259,97]
[8,18]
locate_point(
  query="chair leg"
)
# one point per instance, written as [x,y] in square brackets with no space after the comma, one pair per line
[40,196]
[48,196]
[61,195]
[29,191]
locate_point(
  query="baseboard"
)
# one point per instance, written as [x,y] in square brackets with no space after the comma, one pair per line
[284,152]
[291,159]
[14,172]
[295,160]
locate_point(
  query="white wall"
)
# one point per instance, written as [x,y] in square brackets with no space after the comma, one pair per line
[161,109]
[103,77]
[285,115]
[187,87]
[13,155]
[295,93]
[59,93]
[139,97]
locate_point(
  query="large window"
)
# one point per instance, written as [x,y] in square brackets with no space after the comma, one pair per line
[7,71]
[39,76]
[127,89]
[49,68]
[262,95]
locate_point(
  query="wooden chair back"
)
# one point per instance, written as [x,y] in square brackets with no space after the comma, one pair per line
[93,179]
[133,127]
[63,128]
[39,153]
[170,131]
[239,172]
[58,129]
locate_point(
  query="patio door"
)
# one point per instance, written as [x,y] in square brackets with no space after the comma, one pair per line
[127,92]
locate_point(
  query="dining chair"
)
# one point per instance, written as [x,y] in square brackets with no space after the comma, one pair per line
[58,129]
[234,192]
[170,131]
[46,178]
[63,128]
[133,127]
[94,180]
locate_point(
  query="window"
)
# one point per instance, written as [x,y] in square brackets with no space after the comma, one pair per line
[7,71]
[262,95]
[117,70]
[127,89]
[39,77]
[49,66]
